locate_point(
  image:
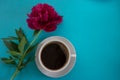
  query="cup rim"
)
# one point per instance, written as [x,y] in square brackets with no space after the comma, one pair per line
[66,63]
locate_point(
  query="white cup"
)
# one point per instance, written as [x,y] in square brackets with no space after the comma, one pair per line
[68,50]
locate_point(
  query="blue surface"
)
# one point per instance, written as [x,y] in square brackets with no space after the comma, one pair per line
[93,26]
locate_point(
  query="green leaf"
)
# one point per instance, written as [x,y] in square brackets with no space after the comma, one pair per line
[12,57]
[21,34]
[8,61]
[22,44]
[11,45]
[16,58]
[10,38]
[35,32]
[14,53]
[32,48]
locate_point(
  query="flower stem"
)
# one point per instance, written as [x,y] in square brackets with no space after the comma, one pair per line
[14,75]
[23,56]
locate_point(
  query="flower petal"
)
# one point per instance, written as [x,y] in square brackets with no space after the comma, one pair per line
[50,28]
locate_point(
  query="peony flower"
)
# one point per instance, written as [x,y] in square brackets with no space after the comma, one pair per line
[43,17]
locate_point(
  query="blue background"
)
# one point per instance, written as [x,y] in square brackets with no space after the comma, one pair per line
[93,26]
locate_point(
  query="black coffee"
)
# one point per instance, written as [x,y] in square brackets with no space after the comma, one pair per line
[53,56]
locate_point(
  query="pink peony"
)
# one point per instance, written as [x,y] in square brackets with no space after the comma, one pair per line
[43,17]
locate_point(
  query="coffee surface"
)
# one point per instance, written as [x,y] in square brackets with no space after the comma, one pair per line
[53,56]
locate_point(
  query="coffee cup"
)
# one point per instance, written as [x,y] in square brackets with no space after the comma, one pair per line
[55,56]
